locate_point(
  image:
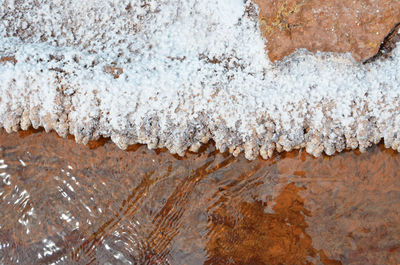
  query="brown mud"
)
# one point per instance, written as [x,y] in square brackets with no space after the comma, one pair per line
[66,203]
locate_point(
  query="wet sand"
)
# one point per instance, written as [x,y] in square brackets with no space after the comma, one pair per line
[64,203]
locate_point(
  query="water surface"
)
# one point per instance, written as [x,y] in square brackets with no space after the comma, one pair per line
[64,203]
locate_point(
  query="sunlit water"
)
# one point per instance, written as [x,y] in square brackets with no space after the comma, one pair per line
[63,203]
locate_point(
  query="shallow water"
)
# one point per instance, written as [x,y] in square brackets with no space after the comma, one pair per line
[64,203]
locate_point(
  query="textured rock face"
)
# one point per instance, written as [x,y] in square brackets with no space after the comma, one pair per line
[358,27]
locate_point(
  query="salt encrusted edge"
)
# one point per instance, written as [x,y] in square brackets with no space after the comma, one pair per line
[230,93]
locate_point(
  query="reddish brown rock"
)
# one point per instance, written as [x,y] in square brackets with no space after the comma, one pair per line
[388,44]
[358,27]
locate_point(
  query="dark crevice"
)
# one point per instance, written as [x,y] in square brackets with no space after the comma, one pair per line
[387,46]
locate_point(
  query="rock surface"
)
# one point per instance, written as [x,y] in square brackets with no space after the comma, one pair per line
[358,27]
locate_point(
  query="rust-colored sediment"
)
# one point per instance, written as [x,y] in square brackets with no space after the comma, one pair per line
[97,204]
[6,59]
[357,27]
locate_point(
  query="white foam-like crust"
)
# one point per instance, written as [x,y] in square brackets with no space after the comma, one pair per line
[192,71]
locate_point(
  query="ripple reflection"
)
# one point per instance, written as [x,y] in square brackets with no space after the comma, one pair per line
[63,203]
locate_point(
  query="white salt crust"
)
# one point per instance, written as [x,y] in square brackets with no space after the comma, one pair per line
[185,72]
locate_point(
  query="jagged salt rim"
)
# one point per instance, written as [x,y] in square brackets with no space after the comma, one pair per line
[176,74]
